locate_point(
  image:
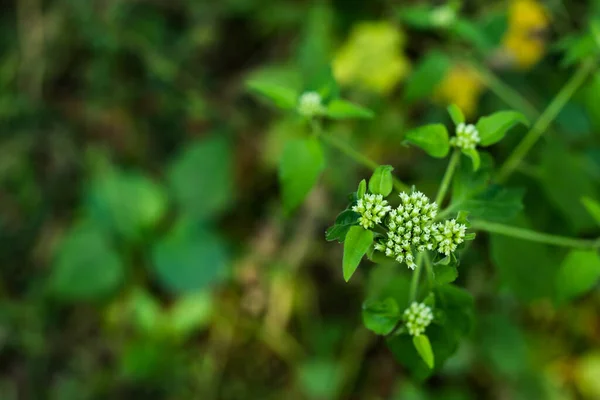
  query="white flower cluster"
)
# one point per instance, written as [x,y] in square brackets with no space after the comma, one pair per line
[417,317]
[467,137]
[409,226]
[449,235]
[372,209]
[310,104]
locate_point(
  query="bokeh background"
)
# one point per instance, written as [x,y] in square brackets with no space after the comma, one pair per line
[144,249]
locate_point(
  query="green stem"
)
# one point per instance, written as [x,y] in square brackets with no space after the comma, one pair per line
[358,157]
[533,236]
[544,121]
[414,283]
[429,268]
[452,164]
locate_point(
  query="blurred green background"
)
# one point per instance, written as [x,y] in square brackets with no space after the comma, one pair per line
[144,249]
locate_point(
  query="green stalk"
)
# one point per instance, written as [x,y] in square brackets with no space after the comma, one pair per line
[414,283]
[533,236]
[452,164]
[358,157]
[542,124]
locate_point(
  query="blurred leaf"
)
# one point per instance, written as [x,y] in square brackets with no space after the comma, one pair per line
[565,180]
[494,204]
[424,16]
[343,222]
[342,109]
[382,182]
[144,312]
[356,245]
[503,345]
[127,203]
[300,167]
[445,274]
[283,97]
[423,347]
[190,313]
[527,268]
[456,114]
[472,34]
[201,178]
[426,76]
[473,154]
[493,128]
[188,259]
[578,273]
[586,374]
[85,266]
[592,207]
[381,316]
[577,48]
[320,378]
[431,138]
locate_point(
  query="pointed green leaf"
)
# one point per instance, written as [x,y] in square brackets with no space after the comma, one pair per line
[431,138]
[593,207]
[283,97]
[342,225]
[493,127]
[301,165]
[356,245]
[342,109]
[445,273]
[473,154]
[381,181]
[381,316]
[423,347]
[578,273]
[456,114]
[362,189]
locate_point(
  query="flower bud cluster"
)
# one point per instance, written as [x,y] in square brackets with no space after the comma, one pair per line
[372,209]
[449,235]
[310,104]
[467,137]
[417,318]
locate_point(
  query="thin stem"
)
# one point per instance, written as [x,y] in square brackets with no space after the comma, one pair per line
[545,120]
[533,236]
[414,283]
[429,268]
[452,164]
[358,157]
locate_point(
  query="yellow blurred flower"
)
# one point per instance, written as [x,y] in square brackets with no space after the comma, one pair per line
[527,19]
[372,57]
[461,86]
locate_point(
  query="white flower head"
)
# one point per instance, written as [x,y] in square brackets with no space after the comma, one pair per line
[417,318]
[372,209]
[310,104]
[467,137]
[409,228]
[448,236]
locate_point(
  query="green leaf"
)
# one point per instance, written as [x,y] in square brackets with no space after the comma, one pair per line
[423,347]
[342,109]
[85,267]
[301,165]
[201,178]
[189,259]
[319,378]
[340,228]
[283,97]
[190,313]
[362,189]
[127,203]
[426,76]
[356,245]
[456,114]
[494,127]
[445,274]
[381,181]
[473,154]
[578,273]
[431,138]
[502,345]
[528,269]
[593,207]
[381,316]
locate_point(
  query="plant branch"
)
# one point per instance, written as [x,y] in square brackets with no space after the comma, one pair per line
[452,164]
[533,236]
[544,121]
[343,147]
[414,283]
